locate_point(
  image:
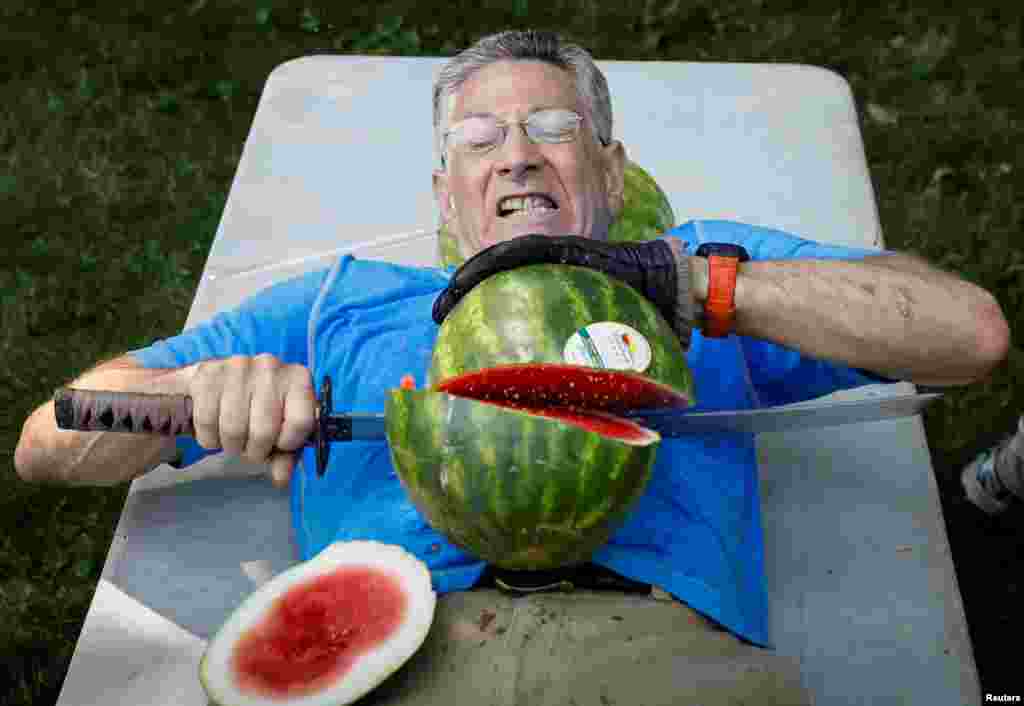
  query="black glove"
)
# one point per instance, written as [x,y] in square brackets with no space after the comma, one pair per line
[648,267]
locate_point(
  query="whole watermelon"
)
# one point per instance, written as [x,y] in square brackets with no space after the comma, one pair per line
[646,214]
[522,489]
[513,452]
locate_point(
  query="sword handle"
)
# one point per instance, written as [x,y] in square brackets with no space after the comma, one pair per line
[133,412]
[167,415]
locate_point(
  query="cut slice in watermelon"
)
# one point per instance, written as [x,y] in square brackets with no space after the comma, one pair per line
[543,385]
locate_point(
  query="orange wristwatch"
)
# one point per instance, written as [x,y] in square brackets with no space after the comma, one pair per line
[720,306]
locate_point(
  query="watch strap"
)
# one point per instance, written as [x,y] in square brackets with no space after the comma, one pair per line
[720,303]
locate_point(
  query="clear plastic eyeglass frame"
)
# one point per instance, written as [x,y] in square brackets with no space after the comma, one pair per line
[529,125]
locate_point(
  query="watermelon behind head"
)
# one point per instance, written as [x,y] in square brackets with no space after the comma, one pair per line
[646,211]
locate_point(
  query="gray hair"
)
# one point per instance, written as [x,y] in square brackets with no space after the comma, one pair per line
[527,45]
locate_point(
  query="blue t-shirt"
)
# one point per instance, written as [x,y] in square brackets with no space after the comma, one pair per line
[696,531]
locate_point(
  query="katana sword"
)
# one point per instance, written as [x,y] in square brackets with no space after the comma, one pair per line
[171,415]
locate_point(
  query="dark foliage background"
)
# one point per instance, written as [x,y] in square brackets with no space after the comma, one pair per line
[121,124]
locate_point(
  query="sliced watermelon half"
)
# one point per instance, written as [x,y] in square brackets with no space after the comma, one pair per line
[324,632]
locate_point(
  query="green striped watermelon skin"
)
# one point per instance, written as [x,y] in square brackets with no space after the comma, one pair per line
[516,489]
[646,211]
[527,315]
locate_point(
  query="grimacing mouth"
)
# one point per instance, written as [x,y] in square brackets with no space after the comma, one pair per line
[504,212]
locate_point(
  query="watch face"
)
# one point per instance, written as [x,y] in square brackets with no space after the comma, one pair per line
[723,250]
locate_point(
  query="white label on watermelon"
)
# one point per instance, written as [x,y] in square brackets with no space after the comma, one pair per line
[608,344]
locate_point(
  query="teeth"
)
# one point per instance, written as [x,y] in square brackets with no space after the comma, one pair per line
[526,203]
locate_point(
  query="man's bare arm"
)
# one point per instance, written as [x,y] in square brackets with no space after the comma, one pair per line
[895,315]
[48,454]
[254,407]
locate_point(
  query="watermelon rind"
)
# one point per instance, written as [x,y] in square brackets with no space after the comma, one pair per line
[515,488]
[370,668]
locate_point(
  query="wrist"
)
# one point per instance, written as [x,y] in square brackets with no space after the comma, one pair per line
[698,277]
[689,279]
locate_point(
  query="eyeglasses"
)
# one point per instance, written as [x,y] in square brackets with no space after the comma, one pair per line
[479,134]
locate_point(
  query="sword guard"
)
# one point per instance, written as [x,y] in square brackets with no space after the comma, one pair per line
[323,446]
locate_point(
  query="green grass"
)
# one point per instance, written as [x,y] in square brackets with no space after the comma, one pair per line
[121,126]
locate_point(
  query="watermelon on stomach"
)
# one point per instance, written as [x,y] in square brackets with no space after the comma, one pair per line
[520,488]
[513,453]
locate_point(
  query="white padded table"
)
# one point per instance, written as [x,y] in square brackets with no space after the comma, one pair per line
[339,160]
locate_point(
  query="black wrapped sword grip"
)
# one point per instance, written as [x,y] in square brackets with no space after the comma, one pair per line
[136,412]
[171,415]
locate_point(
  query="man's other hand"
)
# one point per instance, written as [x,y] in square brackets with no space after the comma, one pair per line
[648,267]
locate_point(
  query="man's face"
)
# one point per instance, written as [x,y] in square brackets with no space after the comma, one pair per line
[582,178]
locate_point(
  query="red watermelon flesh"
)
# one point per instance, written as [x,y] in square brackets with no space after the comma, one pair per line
[573,393]
[599,422]
[316,631]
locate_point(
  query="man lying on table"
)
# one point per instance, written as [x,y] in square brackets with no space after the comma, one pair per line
[523,113]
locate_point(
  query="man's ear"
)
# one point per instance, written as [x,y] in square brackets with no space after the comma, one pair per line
[443,196]
[615,179]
